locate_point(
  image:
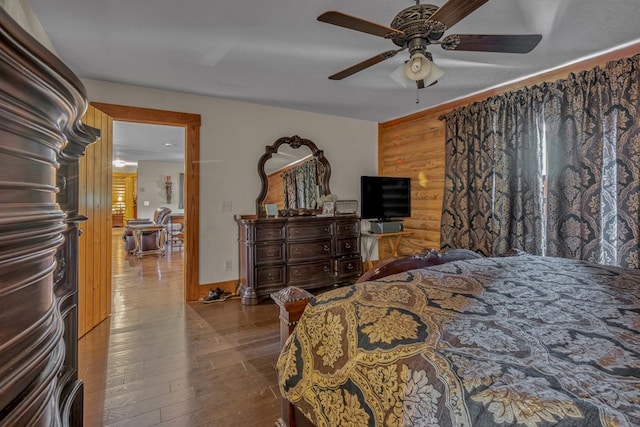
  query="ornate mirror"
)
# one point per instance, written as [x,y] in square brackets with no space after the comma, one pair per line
[294,174]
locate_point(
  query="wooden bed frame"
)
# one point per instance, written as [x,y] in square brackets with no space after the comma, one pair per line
[292,302]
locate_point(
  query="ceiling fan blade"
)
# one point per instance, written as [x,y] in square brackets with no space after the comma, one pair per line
[505,43]
[364,64]
[354,23]
[454,10]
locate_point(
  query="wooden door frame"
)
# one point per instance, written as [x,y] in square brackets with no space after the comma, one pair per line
[191,124]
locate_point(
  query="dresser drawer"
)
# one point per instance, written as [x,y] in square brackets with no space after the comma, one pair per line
[347,228]
[318,274]
[269,253]
[347,246]
[269,276]
[348,267]
[271,232]
[300,251]
[317,230]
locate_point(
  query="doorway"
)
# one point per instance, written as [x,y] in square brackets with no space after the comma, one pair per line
[191,125]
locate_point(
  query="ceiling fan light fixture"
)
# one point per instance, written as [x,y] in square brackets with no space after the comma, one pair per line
[400,77]
[119,163]
[418,67]
[435,73]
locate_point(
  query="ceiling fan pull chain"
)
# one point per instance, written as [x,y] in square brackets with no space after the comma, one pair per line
[417,96]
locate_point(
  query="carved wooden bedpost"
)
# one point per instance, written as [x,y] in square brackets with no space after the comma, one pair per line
[292,302]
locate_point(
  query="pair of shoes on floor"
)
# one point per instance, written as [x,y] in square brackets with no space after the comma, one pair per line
[213,295]
[216,295]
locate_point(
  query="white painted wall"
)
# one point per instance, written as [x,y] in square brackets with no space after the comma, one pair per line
[232,139]
[151,186]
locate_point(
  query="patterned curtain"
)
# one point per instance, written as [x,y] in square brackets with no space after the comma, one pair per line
[493,193]
[289,186]
[593,135]
[300,186]
[579,199]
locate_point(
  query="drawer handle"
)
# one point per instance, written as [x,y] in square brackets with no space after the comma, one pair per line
[296,251]
[326,229]
[326,269]
[326,248]
[347,245]
[270,276]
[349,266]
[270,253]
[297,274]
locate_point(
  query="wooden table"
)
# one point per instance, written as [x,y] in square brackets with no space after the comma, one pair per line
[160,235]
[369,240]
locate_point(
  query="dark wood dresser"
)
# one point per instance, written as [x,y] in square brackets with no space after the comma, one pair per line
[41,140]
[303,251]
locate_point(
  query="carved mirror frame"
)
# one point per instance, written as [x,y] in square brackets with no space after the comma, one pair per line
[294,142]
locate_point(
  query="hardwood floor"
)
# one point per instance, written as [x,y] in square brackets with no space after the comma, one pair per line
[158,361]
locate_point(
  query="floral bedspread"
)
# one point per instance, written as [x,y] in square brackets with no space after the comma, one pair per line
[521,340]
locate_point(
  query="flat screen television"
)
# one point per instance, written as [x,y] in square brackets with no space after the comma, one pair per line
[383,198]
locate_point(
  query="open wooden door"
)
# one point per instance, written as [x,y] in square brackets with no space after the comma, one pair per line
[94,202]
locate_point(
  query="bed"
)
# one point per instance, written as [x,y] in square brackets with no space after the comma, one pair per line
[519,340]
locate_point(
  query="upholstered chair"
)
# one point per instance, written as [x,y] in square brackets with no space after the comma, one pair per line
[160,217]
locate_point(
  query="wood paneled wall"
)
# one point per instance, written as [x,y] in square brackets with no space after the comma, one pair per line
[413,146]
[275,195]
[94,202]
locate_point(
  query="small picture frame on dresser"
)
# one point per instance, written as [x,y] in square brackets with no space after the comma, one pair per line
[272,209]
[328,208]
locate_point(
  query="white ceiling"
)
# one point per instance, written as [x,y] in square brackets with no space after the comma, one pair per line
[134,142]
[276,53]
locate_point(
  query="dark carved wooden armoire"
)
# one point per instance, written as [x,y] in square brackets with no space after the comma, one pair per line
[41,140]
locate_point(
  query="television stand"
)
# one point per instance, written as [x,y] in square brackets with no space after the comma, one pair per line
[369,240]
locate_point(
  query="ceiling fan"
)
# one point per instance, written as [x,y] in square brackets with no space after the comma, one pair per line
[421,25]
